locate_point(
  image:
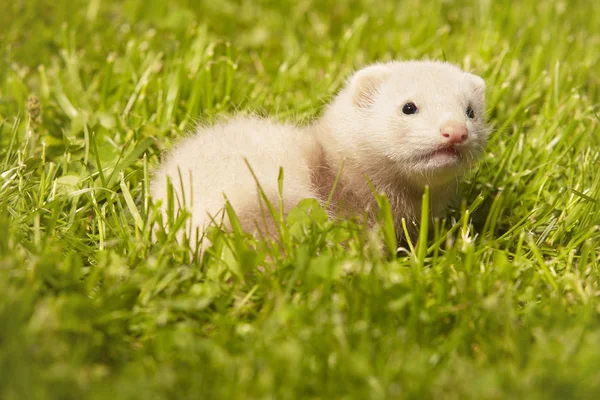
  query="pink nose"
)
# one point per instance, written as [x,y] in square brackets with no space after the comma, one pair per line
[455,132]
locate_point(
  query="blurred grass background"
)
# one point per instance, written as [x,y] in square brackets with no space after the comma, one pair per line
[91,93]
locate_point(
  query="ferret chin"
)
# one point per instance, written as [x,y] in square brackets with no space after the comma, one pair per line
[404,125]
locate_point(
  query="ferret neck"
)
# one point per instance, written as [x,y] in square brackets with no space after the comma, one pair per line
[353,194]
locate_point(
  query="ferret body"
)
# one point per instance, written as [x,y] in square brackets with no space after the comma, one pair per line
[212,165]
[404,125]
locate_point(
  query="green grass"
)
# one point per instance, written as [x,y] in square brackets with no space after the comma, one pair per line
[91,94]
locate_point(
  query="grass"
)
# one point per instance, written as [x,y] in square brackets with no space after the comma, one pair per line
[503,302]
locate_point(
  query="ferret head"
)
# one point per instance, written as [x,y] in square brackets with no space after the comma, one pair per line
[421,121]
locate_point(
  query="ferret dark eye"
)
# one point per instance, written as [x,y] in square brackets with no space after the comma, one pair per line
[470,112]
[409,108]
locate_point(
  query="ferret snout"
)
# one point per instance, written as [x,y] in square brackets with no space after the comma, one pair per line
[454,132]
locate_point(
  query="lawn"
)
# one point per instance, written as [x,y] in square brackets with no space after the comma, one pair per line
[502,302]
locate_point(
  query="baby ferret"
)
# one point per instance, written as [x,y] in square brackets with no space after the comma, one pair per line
[401,125]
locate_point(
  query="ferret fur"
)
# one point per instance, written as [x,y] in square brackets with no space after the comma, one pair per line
[363,128]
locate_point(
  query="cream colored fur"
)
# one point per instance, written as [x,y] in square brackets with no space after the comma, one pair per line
[363,127]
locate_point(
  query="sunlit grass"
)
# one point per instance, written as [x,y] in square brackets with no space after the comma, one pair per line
[501,302]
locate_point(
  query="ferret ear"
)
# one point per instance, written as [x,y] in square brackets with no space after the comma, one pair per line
[477,82]
[365,84]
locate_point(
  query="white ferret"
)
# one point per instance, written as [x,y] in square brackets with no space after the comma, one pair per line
[403,125]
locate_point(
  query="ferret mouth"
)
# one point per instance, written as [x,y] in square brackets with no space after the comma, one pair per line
[442,158]
[445,152]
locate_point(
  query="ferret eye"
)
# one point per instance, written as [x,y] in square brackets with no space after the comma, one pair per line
[409,108]
[470,112]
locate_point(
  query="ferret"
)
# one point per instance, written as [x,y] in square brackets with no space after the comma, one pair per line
[398,125]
